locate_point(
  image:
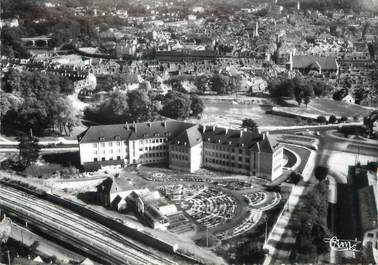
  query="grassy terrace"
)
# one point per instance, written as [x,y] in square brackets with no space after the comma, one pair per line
[339,108]
[326,107]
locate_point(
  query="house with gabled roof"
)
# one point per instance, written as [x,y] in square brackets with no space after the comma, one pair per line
[321,64]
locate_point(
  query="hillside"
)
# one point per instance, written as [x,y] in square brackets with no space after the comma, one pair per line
[357,5]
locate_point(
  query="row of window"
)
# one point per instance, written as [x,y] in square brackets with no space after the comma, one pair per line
[110,151]
[110,144]
[154,141]
[225,148]
[226,163]
[226,156]
[180,157]
[104,159]
[179,149]
[160,154]
[152,148]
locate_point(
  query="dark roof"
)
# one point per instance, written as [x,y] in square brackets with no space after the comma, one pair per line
[190,137]
[239,138]
[114,184]
[182,133]
[132,131]
[326,63]
[268,144]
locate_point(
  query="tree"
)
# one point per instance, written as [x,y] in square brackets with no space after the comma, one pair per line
[64,116]
[332,119]
[340,94]
[249,124]
[197,105]
[281,87]
[360,94]
[28,150]
[176,105]
[43,102]
[295,177]
[303,90]
[201,83]
[321,173]
[320,88]
[321,119]
[218,84]
[139,105]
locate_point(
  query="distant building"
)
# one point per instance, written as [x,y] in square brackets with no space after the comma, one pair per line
[348,99]
[183,146]
[185,55]
[305,64]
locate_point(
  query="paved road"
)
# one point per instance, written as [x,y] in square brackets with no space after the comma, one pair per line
[327,143]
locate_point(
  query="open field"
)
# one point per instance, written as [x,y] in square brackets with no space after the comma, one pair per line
[231,115]
[327,107]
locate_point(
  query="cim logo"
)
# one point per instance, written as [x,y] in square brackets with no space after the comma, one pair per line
[343,244]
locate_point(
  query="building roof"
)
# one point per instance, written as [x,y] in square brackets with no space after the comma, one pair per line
[238,138]
[87,261]
[190,137]
[326,63]
[115,184]
[123,132]
[183,133]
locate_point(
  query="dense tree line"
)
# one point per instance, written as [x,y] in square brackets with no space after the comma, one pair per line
[37,101]
[299,88]
[219,83]
[141,106]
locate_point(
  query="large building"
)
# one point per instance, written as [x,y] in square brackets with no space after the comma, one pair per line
[321,64]
[183,146]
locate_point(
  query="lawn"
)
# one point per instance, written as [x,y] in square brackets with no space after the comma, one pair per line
[326,107]
[339,108]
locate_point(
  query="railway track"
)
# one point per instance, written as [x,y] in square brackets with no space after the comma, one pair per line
[120,249]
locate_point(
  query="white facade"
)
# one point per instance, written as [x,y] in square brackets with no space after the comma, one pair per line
[187,151]
[148,151]
[103,151]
